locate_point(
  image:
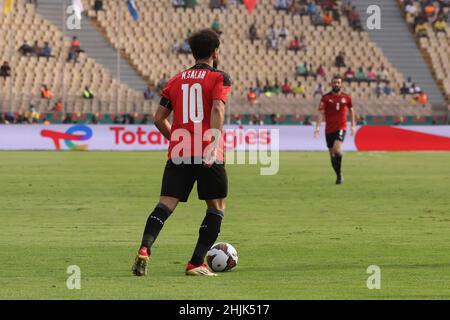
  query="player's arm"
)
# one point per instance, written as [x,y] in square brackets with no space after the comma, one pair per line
[218,115]
[352,118]
[161,122]
[217,121]
[320,117]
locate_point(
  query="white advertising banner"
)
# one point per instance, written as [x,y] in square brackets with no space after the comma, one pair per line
[283,138]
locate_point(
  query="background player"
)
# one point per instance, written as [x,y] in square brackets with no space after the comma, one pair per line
[333,108]
[197,98]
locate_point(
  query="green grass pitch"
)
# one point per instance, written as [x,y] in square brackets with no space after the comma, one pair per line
[298,235]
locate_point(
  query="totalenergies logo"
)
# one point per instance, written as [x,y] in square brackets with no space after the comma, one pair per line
[75,133]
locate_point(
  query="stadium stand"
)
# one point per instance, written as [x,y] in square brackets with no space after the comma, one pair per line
[152,46]
[150,41]
[430,22]
[30,73]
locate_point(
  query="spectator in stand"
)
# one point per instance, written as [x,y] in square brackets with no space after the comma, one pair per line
[5,70]
[299,89]
[67,119]
[318,90]
[439,25]
[94,119]
[311,8]
[413,90]
[216,26]
[76,45]
[257,88]
[46,93]
[272,41]
[328,19]
[3,119]
[317,19]
[58,106]
[217,4]
[354,19]
[421,30]
[25,49]
[409,83]
[286,88]
[267,87]
[371,75]
[72,56]
[404,90]
[252,97]
[276,89]
[36,50]
[148,94]
[145,119]
[387,90]
[281,5]
[360,75]
[429,9]
[382,74]
[307,121]
[178,4]
[87,93]
[422,99]
[349,75]
[46,51]
[185,48]
[283,32]
[296,44]
[303,70]
[340,60]
[320,72]
[410,12]
[191,4]
[361,121]
[253,33]
[98,5]
[378,90]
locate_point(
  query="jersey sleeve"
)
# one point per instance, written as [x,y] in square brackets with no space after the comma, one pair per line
[350,102]
[165,95]
[222,87]
[321,105]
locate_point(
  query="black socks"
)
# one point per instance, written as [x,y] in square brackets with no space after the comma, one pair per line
[208,233]
[336,161]
[155,223]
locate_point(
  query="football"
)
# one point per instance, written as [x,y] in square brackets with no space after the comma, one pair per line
[222,257]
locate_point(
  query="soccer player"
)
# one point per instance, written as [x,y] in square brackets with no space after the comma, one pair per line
[197,98]
[333,108]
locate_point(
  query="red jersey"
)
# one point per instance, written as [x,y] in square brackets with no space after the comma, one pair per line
[335,108]
[190,95]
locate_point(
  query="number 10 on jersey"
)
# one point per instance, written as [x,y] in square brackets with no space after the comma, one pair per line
[192,103]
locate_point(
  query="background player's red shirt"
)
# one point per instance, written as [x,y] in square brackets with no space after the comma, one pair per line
[190,95]
[335,108]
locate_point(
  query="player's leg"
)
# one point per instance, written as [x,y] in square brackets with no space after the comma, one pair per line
[334,143]
[208,233]
[156,220]
[177,184]
[336,154]
[212,186]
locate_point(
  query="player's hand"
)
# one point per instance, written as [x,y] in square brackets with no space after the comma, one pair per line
[210,158]
[316,132]
[352,131]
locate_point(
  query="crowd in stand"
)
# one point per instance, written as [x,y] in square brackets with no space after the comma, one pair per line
[427,12]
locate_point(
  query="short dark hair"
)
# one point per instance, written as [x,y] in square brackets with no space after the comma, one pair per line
[337,77]
[203,43]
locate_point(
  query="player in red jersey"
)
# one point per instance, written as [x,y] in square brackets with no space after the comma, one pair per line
[197,98]
[333,108]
